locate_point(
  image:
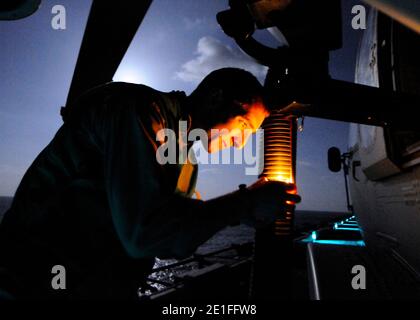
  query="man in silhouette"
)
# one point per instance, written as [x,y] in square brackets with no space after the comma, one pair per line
[97,202]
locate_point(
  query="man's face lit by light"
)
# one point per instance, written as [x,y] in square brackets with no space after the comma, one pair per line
[236,131]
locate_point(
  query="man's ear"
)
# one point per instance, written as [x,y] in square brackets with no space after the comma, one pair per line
[245,106]
[217,97]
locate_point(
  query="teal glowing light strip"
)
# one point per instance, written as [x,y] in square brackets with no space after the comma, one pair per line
[351,243]
[359,243]
[349,224]
[346,228]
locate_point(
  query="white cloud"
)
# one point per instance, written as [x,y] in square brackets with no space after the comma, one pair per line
[212,54]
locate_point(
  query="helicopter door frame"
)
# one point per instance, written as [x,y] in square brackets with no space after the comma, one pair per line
[398,56]
[386,151]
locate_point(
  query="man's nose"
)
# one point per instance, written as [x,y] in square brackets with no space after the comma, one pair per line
[236,142]
[240,141]
[246,135]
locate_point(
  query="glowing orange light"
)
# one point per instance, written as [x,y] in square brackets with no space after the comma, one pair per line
[278,163]
[278,155]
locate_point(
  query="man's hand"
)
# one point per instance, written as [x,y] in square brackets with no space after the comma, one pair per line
[270,199]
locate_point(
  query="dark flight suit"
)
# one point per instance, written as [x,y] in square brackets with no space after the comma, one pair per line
[97,202]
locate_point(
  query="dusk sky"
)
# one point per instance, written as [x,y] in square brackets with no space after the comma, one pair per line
[178,43]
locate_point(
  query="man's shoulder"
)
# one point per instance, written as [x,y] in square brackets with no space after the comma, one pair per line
[113,95]
[123,89]
[109,99]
